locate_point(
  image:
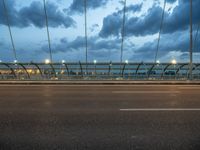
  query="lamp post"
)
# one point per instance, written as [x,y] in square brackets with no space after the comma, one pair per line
[15,61]
[95,62]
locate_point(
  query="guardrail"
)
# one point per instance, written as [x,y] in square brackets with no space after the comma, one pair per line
[97,71]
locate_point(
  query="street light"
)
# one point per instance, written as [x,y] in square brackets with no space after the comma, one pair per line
[126,61]
[15,61]
[95,61]
[158,62]
[174,62]
[47,61]
[63,61]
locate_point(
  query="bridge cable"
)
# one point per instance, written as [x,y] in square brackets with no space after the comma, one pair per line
[86,36]
[123,33]
[48,34]
[159,35]
[196,37]
[9,28]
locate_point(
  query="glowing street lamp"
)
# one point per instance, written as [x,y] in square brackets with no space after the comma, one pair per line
[63,61]
[158,62]
[174,62]
[15,61]
[126,61]
[95,61]
[47,61]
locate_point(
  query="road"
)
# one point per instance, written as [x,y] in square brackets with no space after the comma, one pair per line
[99,117]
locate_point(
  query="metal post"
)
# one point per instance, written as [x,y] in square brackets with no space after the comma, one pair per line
[86,38]
[48,34]
[122,36]
[10,31]
[191,42]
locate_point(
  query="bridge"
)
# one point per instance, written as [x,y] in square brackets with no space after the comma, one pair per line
[85,70]
[94,105]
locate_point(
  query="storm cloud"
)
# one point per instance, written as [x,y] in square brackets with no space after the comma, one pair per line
[77,6]
[34,15]
[175,42]
[149,24]
[112,23]
[94,44]
[171,1]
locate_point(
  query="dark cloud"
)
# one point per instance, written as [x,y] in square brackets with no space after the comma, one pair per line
[178,41]
[77,6]
[171,1]
[94,44]
[14,18]
[94,27]
[149,24]
[132,8]
[34,15]
[112,24]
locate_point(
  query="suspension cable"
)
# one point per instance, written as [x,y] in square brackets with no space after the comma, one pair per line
[196,37]
[159,35]
[86,36]
[9,28]
[48,34]
[123,32]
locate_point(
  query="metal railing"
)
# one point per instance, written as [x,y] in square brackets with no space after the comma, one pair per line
[97,71]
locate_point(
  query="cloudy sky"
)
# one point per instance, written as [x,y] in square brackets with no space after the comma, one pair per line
[105,17]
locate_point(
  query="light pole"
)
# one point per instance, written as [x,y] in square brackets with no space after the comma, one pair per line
[95,62]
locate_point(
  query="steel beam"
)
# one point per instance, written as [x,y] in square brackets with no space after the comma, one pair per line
[164,70]
[81,68]
[66,68]
[37,66]
[25,70]
[11,69]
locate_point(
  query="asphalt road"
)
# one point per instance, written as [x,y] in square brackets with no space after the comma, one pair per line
[99,117]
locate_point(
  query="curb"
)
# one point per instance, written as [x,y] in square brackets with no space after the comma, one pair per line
[103,82]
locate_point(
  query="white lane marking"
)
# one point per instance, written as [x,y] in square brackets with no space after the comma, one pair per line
[160,109]
[189,88]
[146,92]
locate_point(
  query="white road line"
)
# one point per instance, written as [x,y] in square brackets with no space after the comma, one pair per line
[189,88]
[160,109]
[146,92]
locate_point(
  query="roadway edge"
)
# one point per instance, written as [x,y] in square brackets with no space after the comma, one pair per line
[106,82]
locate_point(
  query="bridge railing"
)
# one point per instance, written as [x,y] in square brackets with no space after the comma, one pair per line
[97,71]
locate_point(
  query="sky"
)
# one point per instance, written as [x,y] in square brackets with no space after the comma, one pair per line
[104,26]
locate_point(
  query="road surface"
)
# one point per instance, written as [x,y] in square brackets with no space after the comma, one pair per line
[99,117]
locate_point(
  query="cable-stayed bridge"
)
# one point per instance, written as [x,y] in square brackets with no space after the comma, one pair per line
[85,70]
